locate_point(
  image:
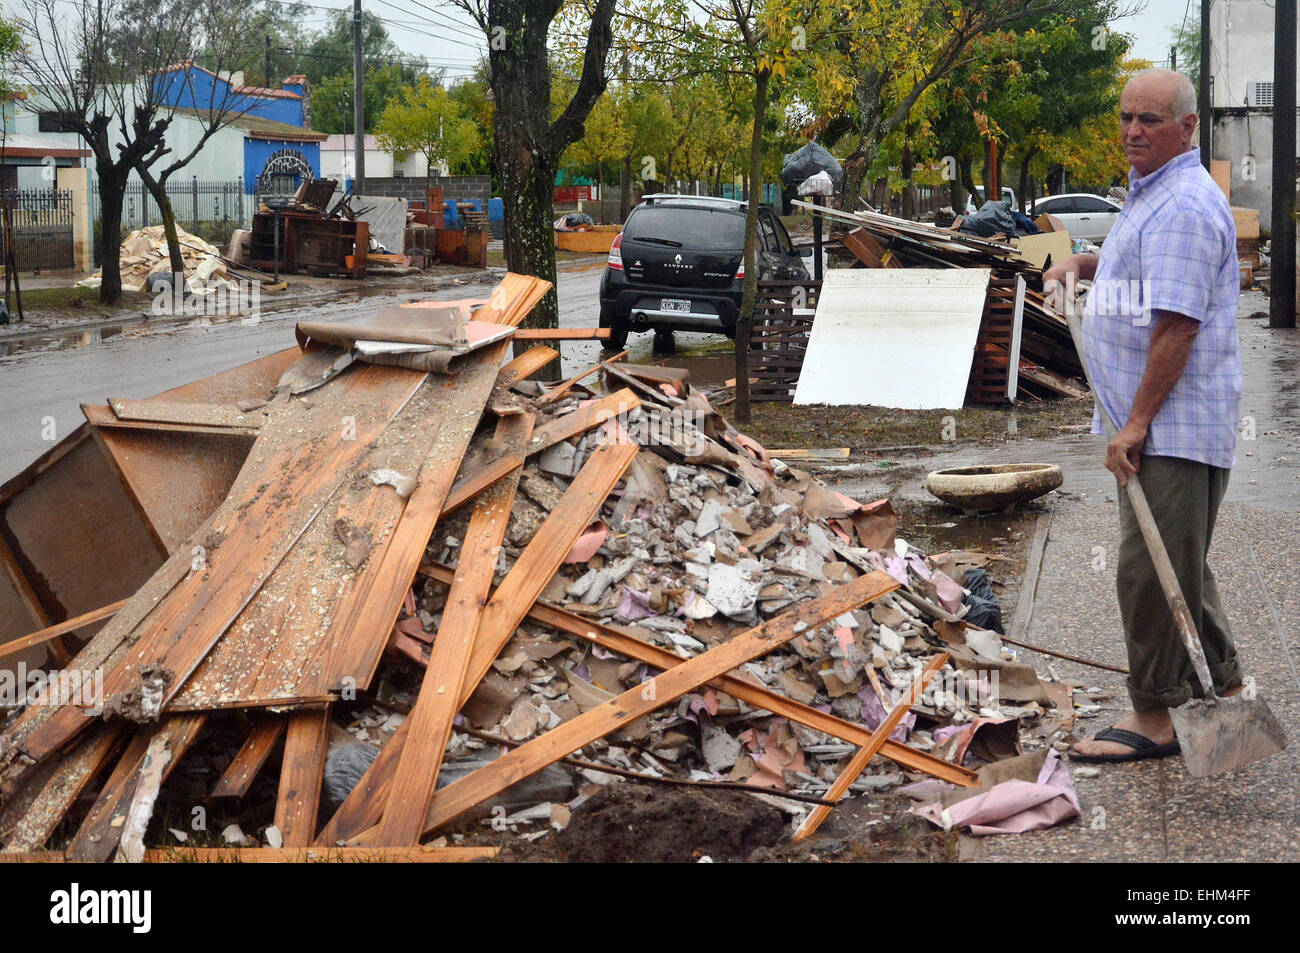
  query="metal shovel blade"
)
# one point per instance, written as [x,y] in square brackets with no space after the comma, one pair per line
[1223,734]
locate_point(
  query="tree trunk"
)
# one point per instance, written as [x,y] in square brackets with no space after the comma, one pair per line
[968,180]
[175,257]
[909,192]
[527,196]
[625,189]
[745,322]
[112,186]
[1022,192]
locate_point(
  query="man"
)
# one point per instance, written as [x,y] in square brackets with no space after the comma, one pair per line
[1160,329]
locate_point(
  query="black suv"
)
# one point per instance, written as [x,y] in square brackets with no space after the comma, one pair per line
[678,264]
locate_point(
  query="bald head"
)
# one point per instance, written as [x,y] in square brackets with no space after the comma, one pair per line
[1157,117]
[1175,88]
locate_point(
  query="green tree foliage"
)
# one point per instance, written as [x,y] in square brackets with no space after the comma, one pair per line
[331,101]
[425,120]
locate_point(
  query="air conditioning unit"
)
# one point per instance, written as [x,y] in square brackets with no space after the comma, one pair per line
[1259,94]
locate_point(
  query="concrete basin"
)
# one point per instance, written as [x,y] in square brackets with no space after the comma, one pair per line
[993,488]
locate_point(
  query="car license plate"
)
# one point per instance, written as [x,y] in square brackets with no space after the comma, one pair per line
[675,304]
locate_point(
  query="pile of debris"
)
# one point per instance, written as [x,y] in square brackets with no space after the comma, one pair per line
[1023,346]
[144,254]
[435,585]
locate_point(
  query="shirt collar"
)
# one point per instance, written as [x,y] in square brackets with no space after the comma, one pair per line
[1137,183]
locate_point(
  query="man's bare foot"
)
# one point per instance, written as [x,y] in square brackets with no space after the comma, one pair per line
[1155,725]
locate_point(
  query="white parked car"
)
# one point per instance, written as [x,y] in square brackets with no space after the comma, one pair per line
[1084,215]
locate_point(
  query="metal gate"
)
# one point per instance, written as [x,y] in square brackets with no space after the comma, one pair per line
[41,224]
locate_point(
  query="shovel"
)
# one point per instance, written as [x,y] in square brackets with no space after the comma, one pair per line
[1216,734]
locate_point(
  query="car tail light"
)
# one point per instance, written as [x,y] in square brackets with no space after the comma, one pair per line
[740,272]
[615,259]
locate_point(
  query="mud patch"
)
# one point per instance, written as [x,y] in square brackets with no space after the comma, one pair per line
[654,824]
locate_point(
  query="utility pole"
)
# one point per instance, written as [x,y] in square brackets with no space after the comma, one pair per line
[268,62]
[358,105]
[1281,306]
[1173,57]
[1203,95]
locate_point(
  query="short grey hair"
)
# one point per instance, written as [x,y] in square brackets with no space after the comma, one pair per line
[1184,98]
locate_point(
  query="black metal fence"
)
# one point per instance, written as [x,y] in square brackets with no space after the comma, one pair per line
[197,204]
[41,224]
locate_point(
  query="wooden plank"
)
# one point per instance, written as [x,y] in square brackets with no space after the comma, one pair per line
[858,763]
[612,638]
[558,391]
[478,480]
[442,687]
[97,838]
[101,415]
[315,855]
[64,785]
[589,415]
[508,606]
[525,365]
[493,778]
[189,413]
[252,754]
[306,742]
[62,628]
[562,334]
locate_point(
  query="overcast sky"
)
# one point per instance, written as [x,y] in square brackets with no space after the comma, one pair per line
[448,38]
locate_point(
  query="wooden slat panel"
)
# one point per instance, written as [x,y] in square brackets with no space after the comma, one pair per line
[313,459]
[366,616]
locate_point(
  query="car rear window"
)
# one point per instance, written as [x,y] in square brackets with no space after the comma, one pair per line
[693,227]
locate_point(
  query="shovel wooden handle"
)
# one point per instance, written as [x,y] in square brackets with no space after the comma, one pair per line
[1150,533]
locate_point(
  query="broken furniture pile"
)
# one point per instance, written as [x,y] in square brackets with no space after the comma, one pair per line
[305,233]
[1022,348]
[508,565]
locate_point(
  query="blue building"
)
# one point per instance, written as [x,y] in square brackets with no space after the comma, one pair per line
[277,151]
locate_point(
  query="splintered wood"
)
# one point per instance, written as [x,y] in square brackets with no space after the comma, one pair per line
[301,510]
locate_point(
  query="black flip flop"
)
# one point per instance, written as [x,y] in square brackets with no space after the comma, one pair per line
[1143,748]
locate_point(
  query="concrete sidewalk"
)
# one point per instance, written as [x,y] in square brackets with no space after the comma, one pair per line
[1153,810]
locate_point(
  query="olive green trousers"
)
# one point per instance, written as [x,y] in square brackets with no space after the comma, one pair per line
[1184,496]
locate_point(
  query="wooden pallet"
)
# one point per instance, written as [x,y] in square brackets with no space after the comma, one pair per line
[783,318]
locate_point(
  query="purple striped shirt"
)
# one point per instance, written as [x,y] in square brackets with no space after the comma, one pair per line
[1173,248]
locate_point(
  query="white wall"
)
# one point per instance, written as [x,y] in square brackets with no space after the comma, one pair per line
[1241,48]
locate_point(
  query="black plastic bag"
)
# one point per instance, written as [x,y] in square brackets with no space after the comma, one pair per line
[806,162]
[984,612]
